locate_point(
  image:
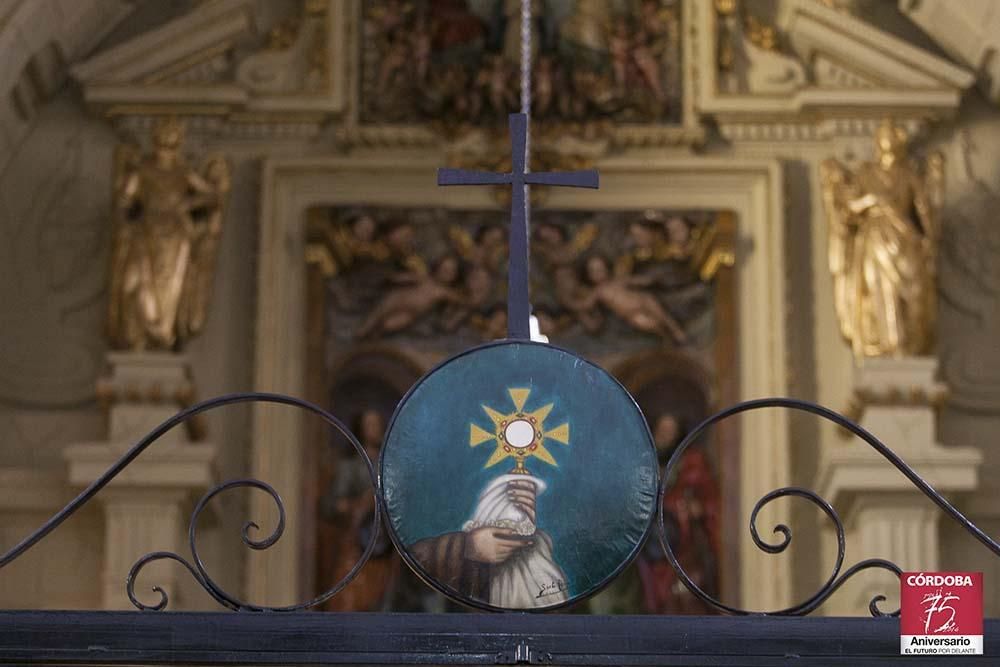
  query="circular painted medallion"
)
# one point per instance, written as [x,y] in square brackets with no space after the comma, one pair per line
[518,476]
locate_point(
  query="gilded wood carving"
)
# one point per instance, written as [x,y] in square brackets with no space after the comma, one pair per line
[421,273]
[168,221]
[884,225]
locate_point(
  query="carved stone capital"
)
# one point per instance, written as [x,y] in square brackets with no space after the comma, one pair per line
[141,390]
[900,409]
[907,382]
[144,506]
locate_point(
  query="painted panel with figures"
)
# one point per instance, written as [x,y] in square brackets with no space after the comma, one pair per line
[645,293]
[459,59]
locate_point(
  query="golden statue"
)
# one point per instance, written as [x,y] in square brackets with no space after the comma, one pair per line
[168,220]
[884,228]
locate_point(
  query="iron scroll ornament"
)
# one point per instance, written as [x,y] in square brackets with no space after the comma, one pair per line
[196,567]
[836,579]
[198,571]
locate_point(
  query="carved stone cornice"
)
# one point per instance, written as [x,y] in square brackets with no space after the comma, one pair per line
[388,136]
[856,75]
[967,31]
[301,74]
[196,65]
[417,136]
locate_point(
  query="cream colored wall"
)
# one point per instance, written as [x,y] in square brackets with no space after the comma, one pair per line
[54,222]
[53,203]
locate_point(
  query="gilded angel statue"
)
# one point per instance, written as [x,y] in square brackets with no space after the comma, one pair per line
[884,226]
[167,226]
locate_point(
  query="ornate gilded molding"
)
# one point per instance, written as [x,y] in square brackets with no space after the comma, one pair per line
[426,273]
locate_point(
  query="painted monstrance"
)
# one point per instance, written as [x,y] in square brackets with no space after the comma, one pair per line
[520,434]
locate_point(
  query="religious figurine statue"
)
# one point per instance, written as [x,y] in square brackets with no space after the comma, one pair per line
[560,253]
[750,56]
[556,249]
[168,221]
[884,225]
[495,78]
[692,507]
[348,506]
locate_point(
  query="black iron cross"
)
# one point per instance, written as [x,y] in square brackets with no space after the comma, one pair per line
[519,178]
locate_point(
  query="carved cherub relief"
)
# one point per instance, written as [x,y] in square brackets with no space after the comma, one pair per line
[637,276]
[624,296]
[416,295]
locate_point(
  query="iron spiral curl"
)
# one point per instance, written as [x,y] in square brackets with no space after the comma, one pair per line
[198,570]
[836,578]
[196,566]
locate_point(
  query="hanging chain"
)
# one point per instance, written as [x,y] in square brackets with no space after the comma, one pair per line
[526,110]
[526,75]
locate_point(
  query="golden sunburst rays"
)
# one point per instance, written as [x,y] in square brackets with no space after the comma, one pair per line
[519,434]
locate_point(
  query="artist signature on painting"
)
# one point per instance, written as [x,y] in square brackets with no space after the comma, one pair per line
[552,588]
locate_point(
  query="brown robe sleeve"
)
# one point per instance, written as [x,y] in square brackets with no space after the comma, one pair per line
[443,558]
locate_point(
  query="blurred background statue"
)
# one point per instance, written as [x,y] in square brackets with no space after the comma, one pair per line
[884,227]
[348,508]
[168,220]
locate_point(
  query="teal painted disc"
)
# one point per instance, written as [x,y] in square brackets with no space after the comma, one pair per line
[518,476]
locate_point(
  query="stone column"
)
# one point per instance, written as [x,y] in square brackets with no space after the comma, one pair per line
[146,507]
[885,515]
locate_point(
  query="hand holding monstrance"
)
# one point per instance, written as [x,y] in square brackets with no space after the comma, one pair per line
[503,536]
[487,544]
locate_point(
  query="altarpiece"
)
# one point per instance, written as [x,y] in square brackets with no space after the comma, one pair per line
[331,74]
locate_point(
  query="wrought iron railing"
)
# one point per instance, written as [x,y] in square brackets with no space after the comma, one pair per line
[196,567]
